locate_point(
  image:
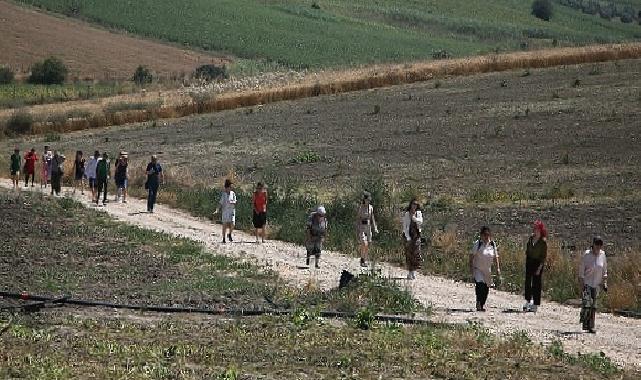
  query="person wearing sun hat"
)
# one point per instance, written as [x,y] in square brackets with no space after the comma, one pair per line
[536,251]
[593,274]
[315,234]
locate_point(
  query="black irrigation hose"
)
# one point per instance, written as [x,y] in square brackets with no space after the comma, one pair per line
[41,300]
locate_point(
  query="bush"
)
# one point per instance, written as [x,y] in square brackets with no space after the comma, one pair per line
[6,75]
[441,54]
[211,72]
[142,76]
[50,71]
[19,123]
[542,9]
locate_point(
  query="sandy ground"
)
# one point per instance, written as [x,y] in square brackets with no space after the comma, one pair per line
[453,302]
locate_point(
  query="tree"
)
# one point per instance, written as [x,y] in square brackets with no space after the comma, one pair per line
[542,9]
[6,75]
[142,75]
[50,71]
[210,72]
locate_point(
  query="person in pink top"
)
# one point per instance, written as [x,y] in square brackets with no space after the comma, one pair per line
[259,218]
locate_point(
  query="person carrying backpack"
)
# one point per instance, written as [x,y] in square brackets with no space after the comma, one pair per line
[103,173]
[412,225]
[30,167]
[14,168]
[483,254]
[315,234]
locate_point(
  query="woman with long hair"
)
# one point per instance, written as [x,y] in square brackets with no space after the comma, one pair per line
[412,224]
[482,256]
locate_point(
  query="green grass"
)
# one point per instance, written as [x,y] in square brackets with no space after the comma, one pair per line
[59,345]
[21,94]
[342,33]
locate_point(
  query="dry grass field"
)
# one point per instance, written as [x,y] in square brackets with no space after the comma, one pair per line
[559,144]
[89,51]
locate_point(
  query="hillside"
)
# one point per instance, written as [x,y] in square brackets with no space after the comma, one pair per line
[29,36]
[336,33]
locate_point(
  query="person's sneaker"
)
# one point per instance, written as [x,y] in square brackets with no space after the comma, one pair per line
[363,263]
[592,331]
[533,308]
[224,242]
[124,201]
[317,264]
[411,275]
[527,306]
[230,239]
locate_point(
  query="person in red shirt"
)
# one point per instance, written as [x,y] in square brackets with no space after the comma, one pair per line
[30,167]
[259,202]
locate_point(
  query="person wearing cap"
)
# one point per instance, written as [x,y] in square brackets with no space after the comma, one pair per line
[259,214]
[482,255]
[79,173]
[155,177]
[412,225]
[14,168]
[315,234]
[365,224]
[121,177]
[90,173]
[593,273]
[30,167]
[103,173]
[536,251]
[56,172]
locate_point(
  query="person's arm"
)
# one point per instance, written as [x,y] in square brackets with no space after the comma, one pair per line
[605,273]
[373,220]
[232,198]
[545,255]
[582,272]
[406,226]
[498,263]
[472,253]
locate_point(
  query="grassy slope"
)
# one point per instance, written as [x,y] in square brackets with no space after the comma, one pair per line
[346,32]
[83,252]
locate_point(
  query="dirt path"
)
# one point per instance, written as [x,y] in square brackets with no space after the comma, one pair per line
[618,337]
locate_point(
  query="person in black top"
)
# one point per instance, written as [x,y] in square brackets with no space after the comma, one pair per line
[79,173]
[154,178]
[121,177]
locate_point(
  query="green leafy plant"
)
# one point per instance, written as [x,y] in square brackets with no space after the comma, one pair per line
[365,319]
[50,71]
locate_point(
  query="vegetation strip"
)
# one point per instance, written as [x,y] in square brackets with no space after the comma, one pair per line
[349,81]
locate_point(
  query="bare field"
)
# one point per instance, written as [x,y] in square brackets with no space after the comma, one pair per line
[90,52]
[555,143]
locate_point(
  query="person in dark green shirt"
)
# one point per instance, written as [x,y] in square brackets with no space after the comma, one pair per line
[15,167]
[536,252]
[103,172]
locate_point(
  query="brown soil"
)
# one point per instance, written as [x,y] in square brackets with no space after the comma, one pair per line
[29,36]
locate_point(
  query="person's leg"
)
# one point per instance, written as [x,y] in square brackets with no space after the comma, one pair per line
[478,293]
[537,286]
[482,294]
[105,184]
[224,232]
[124,192]
[528,283]
[592,318]
[317,253]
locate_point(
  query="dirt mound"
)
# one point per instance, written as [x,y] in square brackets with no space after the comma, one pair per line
[91,53]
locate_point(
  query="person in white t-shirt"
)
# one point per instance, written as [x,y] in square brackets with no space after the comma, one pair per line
[593,273]
[227,208]
[483,254]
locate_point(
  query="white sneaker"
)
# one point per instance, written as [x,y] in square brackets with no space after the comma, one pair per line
[411,275]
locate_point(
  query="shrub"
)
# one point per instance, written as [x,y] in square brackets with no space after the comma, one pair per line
[542,9]
[211,72]
[50,71]
[19,123]
[315,5]
[142,76]
[441,54]
[6,75]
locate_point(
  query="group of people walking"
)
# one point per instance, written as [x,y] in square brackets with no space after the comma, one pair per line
[483,256]
[95,172]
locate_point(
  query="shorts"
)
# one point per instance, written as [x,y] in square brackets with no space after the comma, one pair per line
[121,183]
[259,219]
[229,216]
[314,247]
[92,183]
[365,233]
[15,172]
